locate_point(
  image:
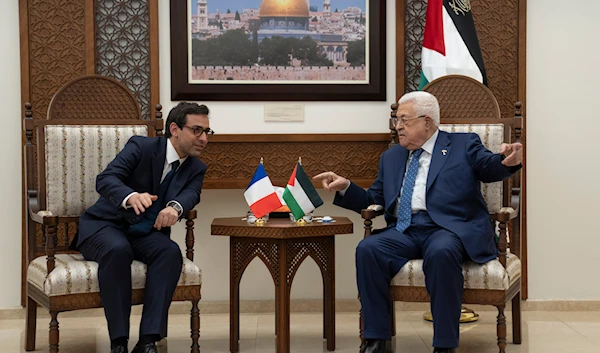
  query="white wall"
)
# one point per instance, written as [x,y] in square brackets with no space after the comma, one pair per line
[10,157]
[561,130]
[562,134]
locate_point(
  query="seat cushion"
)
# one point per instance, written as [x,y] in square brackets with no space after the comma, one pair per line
[491,275]
[73,275]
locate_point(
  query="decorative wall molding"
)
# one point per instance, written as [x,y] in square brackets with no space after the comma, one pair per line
[123,46]
[232,159]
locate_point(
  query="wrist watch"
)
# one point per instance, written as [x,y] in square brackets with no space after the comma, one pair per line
[176,206]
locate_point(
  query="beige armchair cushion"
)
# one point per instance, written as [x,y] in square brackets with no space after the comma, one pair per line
[74,275]
[492,136]
[75,155]
[491,275]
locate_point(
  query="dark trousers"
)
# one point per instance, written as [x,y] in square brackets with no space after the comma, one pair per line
[380,257]
[114,252]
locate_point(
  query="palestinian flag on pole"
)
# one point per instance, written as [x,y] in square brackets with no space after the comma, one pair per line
[450,45]
[300,195]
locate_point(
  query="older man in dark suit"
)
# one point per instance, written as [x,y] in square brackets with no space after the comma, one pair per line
[429,185]
[146,189]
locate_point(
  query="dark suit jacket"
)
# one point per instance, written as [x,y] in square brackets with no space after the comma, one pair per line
[138,167]
[453,197]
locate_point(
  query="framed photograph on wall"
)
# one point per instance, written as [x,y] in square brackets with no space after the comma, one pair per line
[278,50]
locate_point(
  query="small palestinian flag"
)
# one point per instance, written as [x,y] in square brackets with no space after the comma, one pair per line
[300,195]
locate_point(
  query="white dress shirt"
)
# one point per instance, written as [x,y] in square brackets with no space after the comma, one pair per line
[419,192]
[418,202]
[171,156]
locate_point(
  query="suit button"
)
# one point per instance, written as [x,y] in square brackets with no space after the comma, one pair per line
[119,216]
[135,219]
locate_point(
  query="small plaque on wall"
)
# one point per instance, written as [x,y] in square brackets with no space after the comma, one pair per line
[284,112]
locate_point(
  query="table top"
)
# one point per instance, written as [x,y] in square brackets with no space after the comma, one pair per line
[279,228]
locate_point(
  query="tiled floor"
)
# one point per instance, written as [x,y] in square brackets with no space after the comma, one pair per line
[543,332]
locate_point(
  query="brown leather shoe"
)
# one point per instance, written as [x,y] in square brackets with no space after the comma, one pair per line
[444,350]
[376,346]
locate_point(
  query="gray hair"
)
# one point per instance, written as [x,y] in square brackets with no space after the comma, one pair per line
[424,103]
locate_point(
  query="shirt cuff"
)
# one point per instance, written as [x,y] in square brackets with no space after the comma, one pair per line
[343,192]
[124,203]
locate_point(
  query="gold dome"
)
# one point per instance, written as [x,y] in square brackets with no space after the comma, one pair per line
[284,8]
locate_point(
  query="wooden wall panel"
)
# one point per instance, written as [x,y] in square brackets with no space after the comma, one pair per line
[232,159]
[56,52]
[126,41]
[497,29]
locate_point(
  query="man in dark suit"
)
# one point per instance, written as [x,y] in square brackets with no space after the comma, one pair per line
[429,186]
[146,189]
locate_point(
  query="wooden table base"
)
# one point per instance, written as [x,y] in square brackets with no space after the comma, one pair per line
[283,257]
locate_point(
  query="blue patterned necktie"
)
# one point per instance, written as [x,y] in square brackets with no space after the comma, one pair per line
[405,206]
[145,225]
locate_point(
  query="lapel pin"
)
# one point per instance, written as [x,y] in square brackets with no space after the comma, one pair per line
[444,152]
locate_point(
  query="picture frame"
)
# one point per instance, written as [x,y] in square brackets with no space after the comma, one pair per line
[371,88]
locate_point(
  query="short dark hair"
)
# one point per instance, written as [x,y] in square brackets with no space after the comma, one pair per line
[179,113]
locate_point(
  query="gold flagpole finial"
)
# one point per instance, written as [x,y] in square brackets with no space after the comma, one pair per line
[262,160]
[300,160]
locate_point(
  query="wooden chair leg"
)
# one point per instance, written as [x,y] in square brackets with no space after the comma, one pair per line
[53,334]
[516,318]
[195,327]
[393,318]
[501,329]
[30,325]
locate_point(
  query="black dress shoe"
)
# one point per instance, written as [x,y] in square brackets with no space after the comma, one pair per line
[147,348]
[444,350]
[119,349]
[376,346]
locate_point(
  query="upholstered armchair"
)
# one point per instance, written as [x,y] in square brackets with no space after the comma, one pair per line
[89,121]
[468,106]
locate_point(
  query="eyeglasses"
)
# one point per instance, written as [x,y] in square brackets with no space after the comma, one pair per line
[403,121]
[198,131]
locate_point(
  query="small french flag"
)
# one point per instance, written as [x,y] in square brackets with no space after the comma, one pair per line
[260,194]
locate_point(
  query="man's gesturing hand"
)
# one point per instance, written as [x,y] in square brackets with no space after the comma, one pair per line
[332,181]
[140,202]
[513,153]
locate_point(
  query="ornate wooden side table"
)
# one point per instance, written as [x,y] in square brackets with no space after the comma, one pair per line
[282,245]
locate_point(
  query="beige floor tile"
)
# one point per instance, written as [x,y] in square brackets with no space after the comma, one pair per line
[586,323]
[577,316]
[543,332]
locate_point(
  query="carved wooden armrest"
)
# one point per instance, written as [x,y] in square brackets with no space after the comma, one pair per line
[191,215]
[39,216]
[505,215]
[372,212]
[368,214]
[49,222]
